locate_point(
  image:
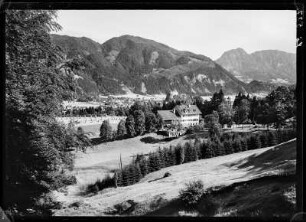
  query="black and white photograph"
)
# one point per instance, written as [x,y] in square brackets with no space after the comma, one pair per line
[155,113]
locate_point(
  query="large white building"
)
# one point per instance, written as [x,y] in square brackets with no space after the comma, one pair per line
[187,115]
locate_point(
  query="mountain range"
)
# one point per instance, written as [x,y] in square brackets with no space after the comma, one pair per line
[272,66]
[130,64]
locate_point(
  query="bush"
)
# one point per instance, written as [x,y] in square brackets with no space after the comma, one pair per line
[192,193]
[45,203]
[167,174]
[107,182]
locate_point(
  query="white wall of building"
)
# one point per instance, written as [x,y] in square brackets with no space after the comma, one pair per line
[189,120]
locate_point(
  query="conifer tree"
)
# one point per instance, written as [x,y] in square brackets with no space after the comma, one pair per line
[170,156]
[162,157]
[203,149]
[125,177]
[217,147]
[257,142]
[151,162]
[132,175]
[237,145]
[272,140]
[210,150]
[157,162]
[121,129]
[263,140]
[179,154]
[106,132]
[143,164]
[228,147]
[139,117]
[188,152]
[138,174]
[119,178]
[197,147]
[37,147]
[244,145]
[250,142]
[130,126]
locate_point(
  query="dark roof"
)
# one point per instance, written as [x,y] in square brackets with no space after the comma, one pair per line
[167,115]
[187,109]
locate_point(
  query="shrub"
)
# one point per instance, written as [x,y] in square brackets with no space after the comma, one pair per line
[45,203]
[80,131]
[61,180]
[192,193]
[167,174]
[107,182]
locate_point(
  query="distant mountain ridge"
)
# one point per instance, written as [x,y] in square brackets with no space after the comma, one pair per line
[272,66]
[128,64]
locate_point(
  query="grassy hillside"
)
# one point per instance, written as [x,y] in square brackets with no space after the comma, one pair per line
[154,192]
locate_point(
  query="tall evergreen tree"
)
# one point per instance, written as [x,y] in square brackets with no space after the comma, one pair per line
[203,149]
[237,145]
[143,164]
[150,122]
[121,129]
[106,132]
[130,126]
[263,140]
[188,152]
[218,147]
[210,152]
[244,145]
[179,154]
[228,147]
[139,122]
[162,157]
[272,139]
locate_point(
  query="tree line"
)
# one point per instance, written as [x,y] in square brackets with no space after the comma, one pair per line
[141,119]
[272,110]
[227,143]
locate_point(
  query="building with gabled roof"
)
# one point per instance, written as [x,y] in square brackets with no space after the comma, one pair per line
[186,115]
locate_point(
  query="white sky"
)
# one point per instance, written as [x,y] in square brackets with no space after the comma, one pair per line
[207,32]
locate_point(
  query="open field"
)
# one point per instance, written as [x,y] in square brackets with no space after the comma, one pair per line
[218,171]
[104,158]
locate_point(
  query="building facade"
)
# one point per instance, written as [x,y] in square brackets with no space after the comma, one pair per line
[186,115]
